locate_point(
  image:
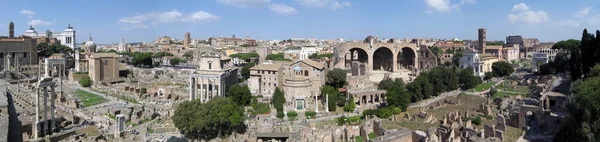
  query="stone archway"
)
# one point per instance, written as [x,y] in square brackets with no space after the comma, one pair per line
[383,59]
[407,58]
[357,54]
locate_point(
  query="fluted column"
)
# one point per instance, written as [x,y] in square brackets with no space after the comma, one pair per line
[214,88]
[192,94]
[37,113]
[52,123]
[45,89]
[202,90]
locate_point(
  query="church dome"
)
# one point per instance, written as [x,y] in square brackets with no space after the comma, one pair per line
[89,45]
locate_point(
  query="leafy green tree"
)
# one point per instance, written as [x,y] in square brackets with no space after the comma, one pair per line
[415,90]
[142,59]
[583,105]
[350,106]
[188,54]
[278,100]
[245,56]
[385,112]
[46,50]
[246,70]
[314,56]
[336,78]
[280,114]
[456,58]
[277,57]
[587,52]
[488,75]
[161,54]
[333,95]
[573,47]
[219,117]
[502,68]
[595,71]
[467,79]
[386,84]
[175,61]
[444,79]
[239,94]
[399,97]
[85,81]
[423,82]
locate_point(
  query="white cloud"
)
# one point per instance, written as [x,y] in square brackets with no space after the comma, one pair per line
[438,5]
[245,3]
[569,23]
[333,4]
[582,13]
[593,20]
[520,7]
[336,5]
[445,5]
[29,13]
[203,16]
[314,3]
[347,4]
[39,23]
[141,20]
[467,2]
[282,9]
[529,17]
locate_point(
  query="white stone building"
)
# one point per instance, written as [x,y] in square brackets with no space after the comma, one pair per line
[122,46]
[213,77]
[299,53]
[66,38]
[480,62]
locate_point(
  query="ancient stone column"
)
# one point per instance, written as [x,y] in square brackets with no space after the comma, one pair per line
[192,95]
[52,108]
[214,88]
[45,89]
[202,97]
[316,103]
[37,113]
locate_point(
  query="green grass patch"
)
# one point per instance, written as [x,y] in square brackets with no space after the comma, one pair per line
[121,97]
[358,139]
[505,94]
[372,135]
[507,86]
[482,87]
[89,99]
[110,116]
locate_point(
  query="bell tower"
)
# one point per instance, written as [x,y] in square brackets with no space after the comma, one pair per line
[11,30]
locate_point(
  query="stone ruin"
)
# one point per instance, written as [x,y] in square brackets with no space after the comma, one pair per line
[486,108]
[453,102]
[437,105]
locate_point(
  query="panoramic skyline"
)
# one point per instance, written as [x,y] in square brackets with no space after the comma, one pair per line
[141,20]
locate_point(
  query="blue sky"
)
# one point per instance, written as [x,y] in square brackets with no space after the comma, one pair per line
[144,20]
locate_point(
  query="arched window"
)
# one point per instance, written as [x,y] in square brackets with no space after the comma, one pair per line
[305,72]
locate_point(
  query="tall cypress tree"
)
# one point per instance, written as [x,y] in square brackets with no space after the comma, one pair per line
[596,49]
[585,52]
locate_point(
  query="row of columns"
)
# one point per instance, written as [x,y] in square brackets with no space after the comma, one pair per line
[369,100]
[47,129]
[209,88]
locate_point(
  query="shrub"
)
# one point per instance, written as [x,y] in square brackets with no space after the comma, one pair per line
[144,90]
[280,114]
[292,114]
[476,120]
[384,112]
[85,81]
[310,114]
[489,117]
[342,120]
[369,112]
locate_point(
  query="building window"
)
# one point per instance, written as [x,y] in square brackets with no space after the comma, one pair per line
[105,62]
[209,66]
[305,73]
[25,54]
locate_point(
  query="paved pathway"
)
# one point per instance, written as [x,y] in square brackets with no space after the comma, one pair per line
[435,99]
